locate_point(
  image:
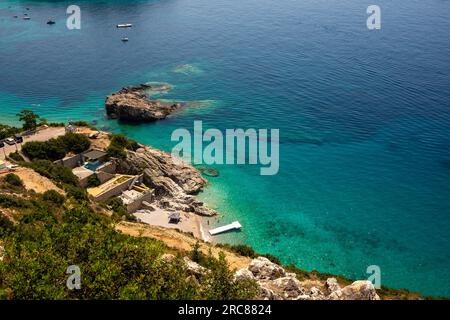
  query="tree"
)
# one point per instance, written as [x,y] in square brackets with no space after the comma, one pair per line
[29,119]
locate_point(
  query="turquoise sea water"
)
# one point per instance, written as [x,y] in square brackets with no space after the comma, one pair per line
[364,117]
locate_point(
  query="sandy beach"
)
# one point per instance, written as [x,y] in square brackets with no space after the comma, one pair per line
[189,222]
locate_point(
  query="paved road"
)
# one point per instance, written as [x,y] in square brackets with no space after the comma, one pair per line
[41,135]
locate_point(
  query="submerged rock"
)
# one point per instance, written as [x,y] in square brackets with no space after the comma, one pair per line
[131,104]
[209,172]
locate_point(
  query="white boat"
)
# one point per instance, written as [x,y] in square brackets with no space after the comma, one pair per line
[125,39]
[232,226]
[124,25]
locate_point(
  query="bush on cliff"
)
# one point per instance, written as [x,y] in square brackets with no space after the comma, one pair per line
[53,197]
[13,180]
[114,151]
[56,148]
[119,144]
[75,143]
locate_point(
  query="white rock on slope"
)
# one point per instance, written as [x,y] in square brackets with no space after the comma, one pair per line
[358,290]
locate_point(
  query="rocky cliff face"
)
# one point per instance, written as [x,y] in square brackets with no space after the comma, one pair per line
[175,184]
[131,104]
[277,284]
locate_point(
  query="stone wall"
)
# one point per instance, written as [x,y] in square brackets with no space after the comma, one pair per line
[117,190]
[71,162]
[136,205]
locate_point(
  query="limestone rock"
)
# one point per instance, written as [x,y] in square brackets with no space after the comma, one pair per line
[316,294]
[194,267]
[332,285]
[358,290]
[266,294]
[243,274]
[263,268]
[286,287]
[167,257]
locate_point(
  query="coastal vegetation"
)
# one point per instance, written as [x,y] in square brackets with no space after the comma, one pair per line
[29,119]
[41,234]
[120,143]
[53,232]
[56,148]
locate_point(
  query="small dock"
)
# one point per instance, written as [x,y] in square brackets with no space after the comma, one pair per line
[232,226]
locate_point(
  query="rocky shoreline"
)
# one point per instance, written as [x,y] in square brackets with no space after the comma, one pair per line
[133,105]
[175,183]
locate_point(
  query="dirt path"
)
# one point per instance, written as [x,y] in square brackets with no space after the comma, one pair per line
[179,241]
[34,181]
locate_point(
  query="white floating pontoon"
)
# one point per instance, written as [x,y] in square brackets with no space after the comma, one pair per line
[232,226]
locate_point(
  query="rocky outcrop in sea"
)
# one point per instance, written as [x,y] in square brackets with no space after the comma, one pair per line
[132,104]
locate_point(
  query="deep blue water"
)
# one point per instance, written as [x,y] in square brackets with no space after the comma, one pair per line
[364,116]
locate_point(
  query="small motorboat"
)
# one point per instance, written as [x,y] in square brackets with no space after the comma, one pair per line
[125,39]
[51,21]
[26,18]
[124,25]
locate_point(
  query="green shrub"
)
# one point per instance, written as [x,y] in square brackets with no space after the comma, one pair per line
[76,192]
[116,152]
[13,180]
[93,181]
[132,145]
[76,143]
[118,145]
[16,157]
[52,149]
[119,140]
[118,208]
[53,196]
[6,225]
[196,254]
[56,148]
[56,124]
[7,201]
